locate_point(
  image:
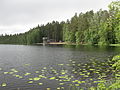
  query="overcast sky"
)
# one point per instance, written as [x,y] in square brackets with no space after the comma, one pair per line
[17,16]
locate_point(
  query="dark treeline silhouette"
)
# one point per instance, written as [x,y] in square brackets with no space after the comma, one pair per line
[101,27]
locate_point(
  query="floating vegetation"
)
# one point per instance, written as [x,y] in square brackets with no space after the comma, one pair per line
[4,85]
[14,70]
[36,78]
[36,71]
[40,83]
[52,78]
[48,89]
[11,72]
[26,74]
[27,64]
[61,64]
[30,82]
[75,75]
[58,88]
[6,72]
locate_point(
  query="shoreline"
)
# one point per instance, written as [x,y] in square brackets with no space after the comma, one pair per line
[53,43]
[65,43]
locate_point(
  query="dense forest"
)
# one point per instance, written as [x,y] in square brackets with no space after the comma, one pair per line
[101,27]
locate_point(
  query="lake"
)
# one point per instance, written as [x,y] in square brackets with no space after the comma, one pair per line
[34,67]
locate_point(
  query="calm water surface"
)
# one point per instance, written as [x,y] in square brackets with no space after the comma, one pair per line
[21,65]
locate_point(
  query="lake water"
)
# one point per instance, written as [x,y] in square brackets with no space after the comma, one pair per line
[24,67]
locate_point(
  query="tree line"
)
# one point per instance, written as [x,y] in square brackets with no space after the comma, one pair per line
[50,30]
[101,27]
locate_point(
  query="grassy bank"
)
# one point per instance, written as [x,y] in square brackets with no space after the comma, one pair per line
[92,45]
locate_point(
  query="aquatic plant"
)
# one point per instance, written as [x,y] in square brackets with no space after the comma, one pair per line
[74,75]
[116,59]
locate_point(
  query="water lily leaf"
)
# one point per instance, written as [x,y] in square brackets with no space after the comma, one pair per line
[6,72]
[26,74]
[52,78]
[48,88]
[36,71]
[30,82]
[40,83]
[61,83]
[58,88]
[36,78]
[14,70]
[4,84]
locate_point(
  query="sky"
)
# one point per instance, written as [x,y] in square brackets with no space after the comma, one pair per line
[18,16]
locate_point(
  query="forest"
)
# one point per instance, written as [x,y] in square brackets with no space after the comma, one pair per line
[94,28]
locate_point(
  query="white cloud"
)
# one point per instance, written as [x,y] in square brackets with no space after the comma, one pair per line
[20,15]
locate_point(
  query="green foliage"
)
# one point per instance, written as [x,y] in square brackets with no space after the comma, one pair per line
[101,27]
[103,40]
[114,20]
[51,30]
[116,59]
[101,86]
[89,28]
[78,36]
[114,86]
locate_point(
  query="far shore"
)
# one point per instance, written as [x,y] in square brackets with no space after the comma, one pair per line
[54,43]
[65,43]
